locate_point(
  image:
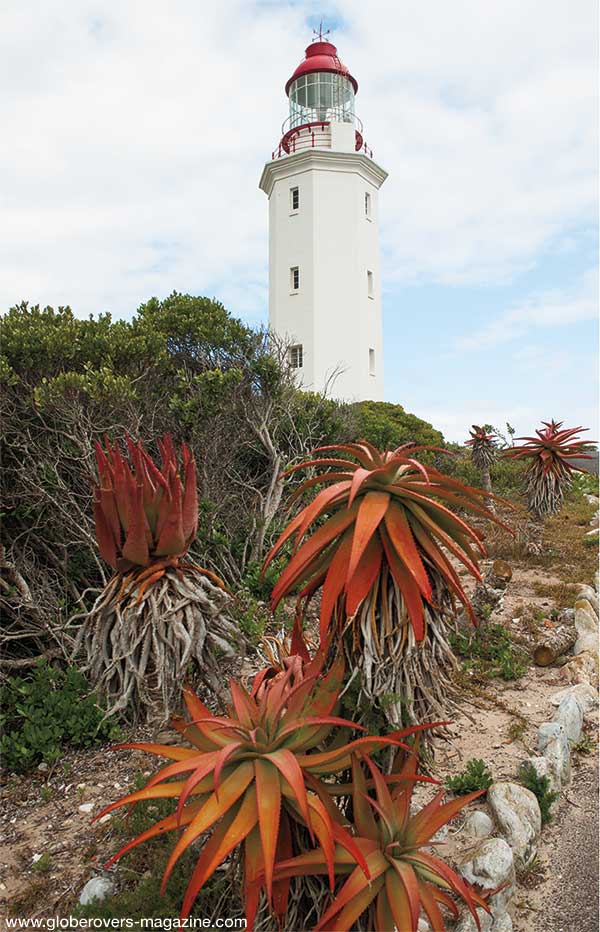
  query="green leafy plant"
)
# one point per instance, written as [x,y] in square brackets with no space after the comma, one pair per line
[46,711]
[540,787]
[43,864]
[402,877]
[490,651]
[587,744]
[475,776]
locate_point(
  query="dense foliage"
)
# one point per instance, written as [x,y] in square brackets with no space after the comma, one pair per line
[44,712]
[183,365]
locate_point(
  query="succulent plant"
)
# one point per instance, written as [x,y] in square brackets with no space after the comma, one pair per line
[252,775]
[378,542]
[160,610]
[549,474]
[403,879]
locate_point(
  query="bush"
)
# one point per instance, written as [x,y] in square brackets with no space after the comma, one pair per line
[540,787]
[46,711]
[490,651]
[474,777]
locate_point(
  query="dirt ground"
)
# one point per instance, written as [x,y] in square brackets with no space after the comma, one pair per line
[48,813]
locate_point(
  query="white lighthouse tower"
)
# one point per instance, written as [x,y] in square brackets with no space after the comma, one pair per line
[323,190]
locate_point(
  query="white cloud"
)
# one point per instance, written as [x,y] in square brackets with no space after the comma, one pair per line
[549,309]
[134,136]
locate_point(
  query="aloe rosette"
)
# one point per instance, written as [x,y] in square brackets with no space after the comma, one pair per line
[403,879]
[380,542]
[551,469]
[252,777]
[159,610]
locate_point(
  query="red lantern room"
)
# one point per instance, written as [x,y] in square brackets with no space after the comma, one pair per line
[321,91]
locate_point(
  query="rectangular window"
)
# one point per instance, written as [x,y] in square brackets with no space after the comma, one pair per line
[371,362]
[294,278]
[367,205]
[294,198]
[370,290]
[296,356]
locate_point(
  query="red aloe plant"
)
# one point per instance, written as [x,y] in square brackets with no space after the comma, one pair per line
[143,513]
[251,776]
[550,472]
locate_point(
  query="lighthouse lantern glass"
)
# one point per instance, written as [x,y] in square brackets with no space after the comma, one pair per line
[321,97]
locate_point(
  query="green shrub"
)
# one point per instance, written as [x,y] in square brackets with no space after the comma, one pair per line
[474,777]
[45,711]
[540,787]
[490,651]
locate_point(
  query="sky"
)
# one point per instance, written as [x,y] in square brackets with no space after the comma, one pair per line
[134,135]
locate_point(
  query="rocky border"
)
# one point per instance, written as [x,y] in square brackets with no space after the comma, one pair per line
[515,810]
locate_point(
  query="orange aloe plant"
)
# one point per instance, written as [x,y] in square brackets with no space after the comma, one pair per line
[380,542]
[159,610]
[252,777]
[403,879]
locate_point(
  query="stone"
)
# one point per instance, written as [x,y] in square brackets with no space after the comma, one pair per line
[96,889]
[558,754]
[86,807]
[491,866]
[503,923]
[43,767]
[544,767]
[589,593]
[584,695]
[478,824]
[517,814]
[582,669]
[547,732]
[588,641]
[466,923]
[586,619]
[570,716]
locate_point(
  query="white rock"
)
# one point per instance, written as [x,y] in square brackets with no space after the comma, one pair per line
[466,923]
[592,499]
[595,530]
[584,695]
[105,818]
[43,767]
[423,926]
[589,593]
[570,716]
[478,824]
[517,813]
[548,731]
[492,865]
[544,767]
[98,888]
[36,858]
[586,619]
[503,923]
[86,807]
[558,754]
[586,641]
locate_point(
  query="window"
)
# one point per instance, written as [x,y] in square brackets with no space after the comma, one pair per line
[371,362]
[294,278]
[294,198]
[296,356]
[370,290]
[367,205]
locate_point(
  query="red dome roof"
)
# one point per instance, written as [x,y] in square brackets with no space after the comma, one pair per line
[321,56]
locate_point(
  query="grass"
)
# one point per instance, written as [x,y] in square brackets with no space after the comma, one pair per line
[490,652]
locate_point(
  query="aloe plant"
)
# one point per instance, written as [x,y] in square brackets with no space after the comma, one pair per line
[551,469]
[377,543]
[159,609]
[484,451]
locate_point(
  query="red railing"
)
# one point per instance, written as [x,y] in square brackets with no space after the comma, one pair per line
[312,136]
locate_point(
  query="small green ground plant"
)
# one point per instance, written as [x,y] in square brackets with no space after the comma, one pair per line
[540,787]
[490,652]
[46,711]
[475,776]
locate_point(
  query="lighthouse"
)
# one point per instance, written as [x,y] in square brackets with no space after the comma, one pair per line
[324,273]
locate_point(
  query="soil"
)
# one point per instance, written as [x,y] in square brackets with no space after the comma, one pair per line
[498,722]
